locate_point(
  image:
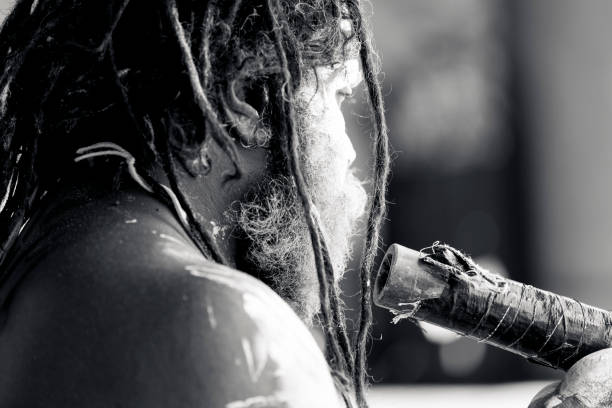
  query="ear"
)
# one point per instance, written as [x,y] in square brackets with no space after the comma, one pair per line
[194,160]
[197,164]
[245,122]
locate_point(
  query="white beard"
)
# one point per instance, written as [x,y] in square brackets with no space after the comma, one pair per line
[273,222]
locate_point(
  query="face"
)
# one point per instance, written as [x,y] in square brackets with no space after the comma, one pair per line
[273,220]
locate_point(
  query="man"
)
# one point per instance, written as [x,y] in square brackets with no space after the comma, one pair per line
[145,145]
[151,150]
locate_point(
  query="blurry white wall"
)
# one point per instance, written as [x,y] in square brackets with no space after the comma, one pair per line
[566,69]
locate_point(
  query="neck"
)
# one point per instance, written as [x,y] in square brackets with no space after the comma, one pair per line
[204,198]
[208,198]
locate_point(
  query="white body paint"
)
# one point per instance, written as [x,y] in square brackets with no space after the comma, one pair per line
[280,346]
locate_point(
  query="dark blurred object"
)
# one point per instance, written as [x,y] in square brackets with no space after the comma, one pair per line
[443,286]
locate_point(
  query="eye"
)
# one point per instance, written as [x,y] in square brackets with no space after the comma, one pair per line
[336,65]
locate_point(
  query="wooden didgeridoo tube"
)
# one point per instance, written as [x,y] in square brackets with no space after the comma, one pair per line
[442,286]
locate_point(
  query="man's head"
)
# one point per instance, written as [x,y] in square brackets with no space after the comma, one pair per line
[272,217]
[174,81]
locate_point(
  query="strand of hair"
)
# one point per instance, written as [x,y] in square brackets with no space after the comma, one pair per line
[201,237]
[291,148]
[378,207]
[218,132]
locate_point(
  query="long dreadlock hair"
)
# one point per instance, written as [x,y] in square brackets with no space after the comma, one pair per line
[157,76]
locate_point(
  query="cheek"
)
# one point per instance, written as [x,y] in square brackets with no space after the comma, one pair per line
[331,121]
[329,145]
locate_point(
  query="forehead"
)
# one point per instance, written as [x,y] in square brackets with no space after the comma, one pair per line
[343,66]
[350,49]
[319,81]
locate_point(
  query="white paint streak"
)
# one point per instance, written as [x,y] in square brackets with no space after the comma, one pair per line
[256,357]
[211,315]
[214,273]
[132,221]
[260,401]
[248,356]
[170,238]
[280,343]
[197,271]
[215,229]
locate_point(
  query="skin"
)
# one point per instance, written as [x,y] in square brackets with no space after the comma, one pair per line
[587,384]
[131,314]
[274,220]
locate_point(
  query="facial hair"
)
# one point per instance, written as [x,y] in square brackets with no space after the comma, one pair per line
[272,221]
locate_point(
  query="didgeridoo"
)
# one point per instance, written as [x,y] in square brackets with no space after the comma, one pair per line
[441,285]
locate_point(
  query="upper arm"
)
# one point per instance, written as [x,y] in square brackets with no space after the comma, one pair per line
[201,336]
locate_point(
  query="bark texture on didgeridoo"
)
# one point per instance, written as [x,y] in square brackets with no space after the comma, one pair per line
[443,286]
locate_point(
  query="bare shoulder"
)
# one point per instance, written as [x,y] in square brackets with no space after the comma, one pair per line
[174,331]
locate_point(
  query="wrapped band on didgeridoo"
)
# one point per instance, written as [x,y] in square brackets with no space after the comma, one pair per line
[442,286]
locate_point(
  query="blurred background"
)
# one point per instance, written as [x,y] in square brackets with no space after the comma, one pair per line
[500,114]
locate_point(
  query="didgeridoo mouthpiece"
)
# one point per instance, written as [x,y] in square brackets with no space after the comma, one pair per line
[443,286]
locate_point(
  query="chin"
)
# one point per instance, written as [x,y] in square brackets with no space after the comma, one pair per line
[280,251]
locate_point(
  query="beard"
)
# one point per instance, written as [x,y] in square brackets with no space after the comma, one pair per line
[279,249]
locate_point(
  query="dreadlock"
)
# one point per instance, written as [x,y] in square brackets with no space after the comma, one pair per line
[76,72]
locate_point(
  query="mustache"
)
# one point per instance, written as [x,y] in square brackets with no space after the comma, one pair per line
[279,249]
